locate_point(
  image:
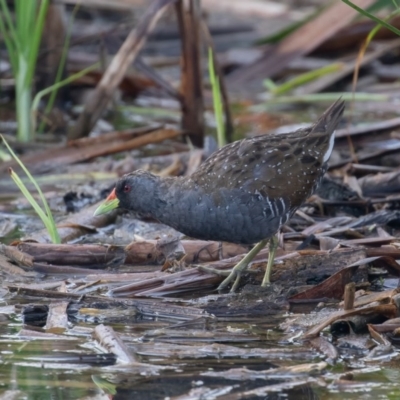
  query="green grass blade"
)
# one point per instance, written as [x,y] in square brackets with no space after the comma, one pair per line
[29,197]
[304,78]
[34,42]
[22,34]
[217,100]
[56,86]
[9,35]
[50,224]
[371,16]
[269,84]
[24,14]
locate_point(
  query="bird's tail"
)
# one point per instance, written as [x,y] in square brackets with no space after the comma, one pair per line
[327,124]
[329,120]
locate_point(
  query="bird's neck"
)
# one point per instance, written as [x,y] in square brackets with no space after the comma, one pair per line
[164,197]
[169,197]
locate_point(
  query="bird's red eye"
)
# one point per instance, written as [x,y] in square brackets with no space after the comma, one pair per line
[127,188]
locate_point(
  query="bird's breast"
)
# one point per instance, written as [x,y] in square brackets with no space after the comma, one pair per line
[230,215]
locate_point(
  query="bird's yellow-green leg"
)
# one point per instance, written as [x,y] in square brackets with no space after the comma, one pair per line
[241,266]
[273,244]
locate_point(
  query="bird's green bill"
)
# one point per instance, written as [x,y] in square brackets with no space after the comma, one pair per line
[109,204]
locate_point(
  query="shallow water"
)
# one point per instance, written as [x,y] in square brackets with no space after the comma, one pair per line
[223,360]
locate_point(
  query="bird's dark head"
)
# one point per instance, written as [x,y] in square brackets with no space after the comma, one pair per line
[135,192]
